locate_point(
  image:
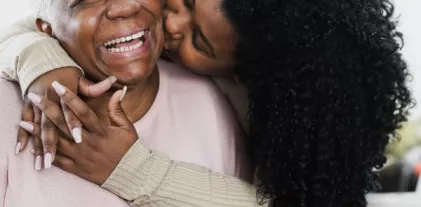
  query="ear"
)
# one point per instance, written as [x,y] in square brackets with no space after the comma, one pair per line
[44,26]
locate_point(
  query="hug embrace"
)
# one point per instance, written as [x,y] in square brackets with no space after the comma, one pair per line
[199,102]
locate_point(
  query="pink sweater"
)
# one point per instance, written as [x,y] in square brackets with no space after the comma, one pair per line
[190,121]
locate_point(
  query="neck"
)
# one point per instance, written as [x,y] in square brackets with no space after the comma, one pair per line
[136,103]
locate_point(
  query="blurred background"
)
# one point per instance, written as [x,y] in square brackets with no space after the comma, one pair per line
[404,155]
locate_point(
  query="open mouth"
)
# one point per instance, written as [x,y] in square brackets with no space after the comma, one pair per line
[128,43]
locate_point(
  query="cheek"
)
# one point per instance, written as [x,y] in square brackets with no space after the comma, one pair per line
[76,37]
[189,58]
[198,63]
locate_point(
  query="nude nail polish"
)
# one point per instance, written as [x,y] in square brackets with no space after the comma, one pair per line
[123,93]
[34,98]
[48,159]
[27,126]
[38,163]
[18,148]
[77,134]
[60,90]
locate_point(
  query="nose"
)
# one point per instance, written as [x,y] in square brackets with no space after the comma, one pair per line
[121,9]
[177,23]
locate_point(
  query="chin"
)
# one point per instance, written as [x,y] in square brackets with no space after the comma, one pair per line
[133,77]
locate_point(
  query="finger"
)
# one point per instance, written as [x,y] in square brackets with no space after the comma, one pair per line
[23,135]
[82,111]
[38,153]
[49,138]
[90,89]
[67,147]
[115,111]
[73,123]
[37,114]
[52,111]
[65,163]
[31,128]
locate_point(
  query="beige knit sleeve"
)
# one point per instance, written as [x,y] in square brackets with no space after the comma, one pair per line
[150,178]
[26,54]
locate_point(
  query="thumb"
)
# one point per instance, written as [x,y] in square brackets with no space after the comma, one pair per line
[90,89]
[116,113]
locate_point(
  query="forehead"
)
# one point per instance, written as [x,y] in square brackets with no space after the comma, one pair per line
[211,18]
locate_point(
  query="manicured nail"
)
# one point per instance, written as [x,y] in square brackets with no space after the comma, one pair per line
[60,90]
[32,151]
[27,126]
[48,159]
[123,93]
[38,163]
[34,98]
[112,79]
[77,134]
[18,148]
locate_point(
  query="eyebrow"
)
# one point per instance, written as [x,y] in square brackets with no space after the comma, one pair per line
[204,38]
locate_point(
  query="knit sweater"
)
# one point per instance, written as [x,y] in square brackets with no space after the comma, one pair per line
[143,177]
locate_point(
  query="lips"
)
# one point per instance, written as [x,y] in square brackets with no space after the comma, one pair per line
[126,43]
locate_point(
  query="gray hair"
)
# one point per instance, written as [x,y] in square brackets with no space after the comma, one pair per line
[43,8]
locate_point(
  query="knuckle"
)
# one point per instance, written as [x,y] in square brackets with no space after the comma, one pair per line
[38,148]
[47,125]
[68,97]
[65,107]
[59,119]
[49,144]
[83,112]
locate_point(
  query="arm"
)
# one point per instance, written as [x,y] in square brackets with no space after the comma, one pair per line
[26,54]
[112,155]
[145,176]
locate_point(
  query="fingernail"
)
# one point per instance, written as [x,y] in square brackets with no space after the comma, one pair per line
[38,163]
[32,151]
[17,149]
[77,134]
[48,158]
[60,90]
[34,98]
[27,126]
[123,93]
[112,79]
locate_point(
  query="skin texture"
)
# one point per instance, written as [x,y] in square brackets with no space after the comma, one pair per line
[189,24]
[82,28]
[91,159]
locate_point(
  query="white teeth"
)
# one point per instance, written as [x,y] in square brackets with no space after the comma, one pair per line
[124,39]
[125,49]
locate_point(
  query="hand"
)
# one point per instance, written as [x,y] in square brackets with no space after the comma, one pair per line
[46,141]
[104,145]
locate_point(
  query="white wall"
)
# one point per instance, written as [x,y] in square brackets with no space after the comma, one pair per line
[410,25]
[409,10]
[12,10]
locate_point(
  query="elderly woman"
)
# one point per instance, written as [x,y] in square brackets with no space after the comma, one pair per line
[170,108]
[325,84]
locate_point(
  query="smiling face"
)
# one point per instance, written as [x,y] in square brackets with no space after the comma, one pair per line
[199,35]
[123,38]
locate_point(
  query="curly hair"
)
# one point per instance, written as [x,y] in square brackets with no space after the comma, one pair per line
[327,90]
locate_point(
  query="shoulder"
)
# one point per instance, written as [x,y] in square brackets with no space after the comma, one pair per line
[10,113]
[198,94]
[182,81]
